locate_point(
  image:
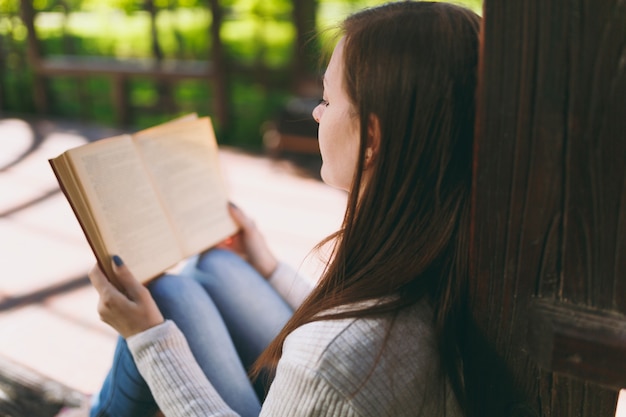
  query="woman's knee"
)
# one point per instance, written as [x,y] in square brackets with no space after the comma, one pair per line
[182,299]
[218,260]
[173,287]
[222,264]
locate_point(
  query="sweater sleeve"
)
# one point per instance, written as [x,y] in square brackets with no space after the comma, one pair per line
[291,286]
[181,389]
[299,391]
[176,381]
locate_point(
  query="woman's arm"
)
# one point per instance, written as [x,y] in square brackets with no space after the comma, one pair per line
[291,286]
[176,381]
[251,245]
[179,386]
[181,389]
[160,350]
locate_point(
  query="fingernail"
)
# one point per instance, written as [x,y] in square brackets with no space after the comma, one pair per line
[117,260]
[233,205]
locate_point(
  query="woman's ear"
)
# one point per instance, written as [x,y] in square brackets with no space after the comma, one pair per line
[373,140]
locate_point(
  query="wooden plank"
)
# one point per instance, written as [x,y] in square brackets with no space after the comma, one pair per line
[578,341]
[90,66]
[568,397]
[595,172]
[501,185]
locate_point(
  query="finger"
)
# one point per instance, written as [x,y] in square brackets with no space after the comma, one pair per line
[237,214]
[111,302]
[239,217]
[99,281]
[106,290]
[125,279]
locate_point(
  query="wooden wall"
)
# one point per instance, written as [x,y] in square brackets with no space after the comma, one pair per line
[549,289]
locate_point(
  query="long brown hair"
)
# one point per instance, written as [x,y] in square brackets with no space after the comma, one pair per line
[405,232]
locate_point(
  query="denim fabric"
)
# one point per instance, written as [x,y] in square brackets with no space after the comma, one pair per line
[228,314]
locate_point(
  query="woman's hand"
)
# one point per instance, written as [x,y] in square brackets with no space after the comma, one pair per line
[126,306]
[250,243]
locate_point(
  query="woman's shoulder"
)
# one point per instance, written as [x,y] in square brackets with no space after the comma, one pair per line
[360,341]
[381,364]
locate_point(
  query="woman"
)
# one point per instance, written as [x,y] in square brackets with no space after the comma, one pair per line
[381,333]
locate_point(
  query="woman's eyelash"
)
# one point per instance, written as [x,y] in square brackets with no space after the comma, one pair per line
[323,102]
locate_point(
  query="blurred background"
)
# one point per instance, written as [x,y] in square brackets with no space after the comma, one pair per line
[74,71]
[250,64]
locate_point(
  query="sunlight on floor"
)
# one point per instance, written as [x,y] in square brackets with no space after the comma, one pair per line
[621,404]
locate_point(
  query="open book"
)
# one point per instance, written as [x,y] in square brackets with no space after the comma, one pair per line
[153,198]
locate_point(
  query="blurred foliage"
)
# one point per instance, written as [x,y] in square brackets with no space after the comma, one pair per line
[255,33]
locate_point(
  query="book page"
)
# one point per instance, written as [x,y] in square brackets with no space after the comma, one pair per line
[184,163]
[126,209]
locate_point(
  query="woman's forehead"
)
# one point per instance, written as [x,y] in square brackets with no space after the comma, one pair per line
[333,71]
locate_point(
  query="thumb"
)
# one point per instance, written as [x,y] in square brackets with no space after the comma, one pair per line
[236,213]
[239,217]
[125,280]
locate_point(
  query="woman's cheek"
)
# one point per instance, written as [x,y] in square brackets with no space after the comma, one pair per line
[329,155]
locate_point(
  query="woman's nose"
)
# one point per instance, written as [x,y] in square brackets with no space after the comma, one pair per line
[317,113]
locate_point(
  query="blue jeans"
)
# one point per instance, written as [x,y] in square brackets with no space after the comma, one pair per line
[228,313]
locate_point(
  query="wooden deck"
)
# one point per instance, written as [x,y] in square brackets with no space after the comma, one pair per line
[48,317]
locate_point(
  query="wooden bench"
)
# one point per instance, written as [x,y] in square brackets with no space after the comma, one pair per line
[120,71]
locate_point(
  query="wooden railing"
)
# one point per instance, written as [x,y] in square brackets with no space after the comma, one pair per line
[164,71]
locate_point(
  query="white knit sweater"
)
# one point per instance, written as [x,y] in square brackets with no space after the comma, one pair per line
[328,368]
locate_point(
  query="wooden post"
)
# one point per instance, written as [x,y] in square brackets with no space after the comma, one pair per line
[306,45]
[34,56]
[163,87]
[121,106]
[550,208]
[220,65]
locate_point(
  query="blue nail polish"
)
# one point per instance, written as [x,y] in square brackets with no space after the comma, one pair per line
[117,260]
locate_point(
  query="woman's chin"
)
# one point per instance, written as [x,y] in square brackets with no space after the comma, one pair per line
[334,181]
[328,179]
